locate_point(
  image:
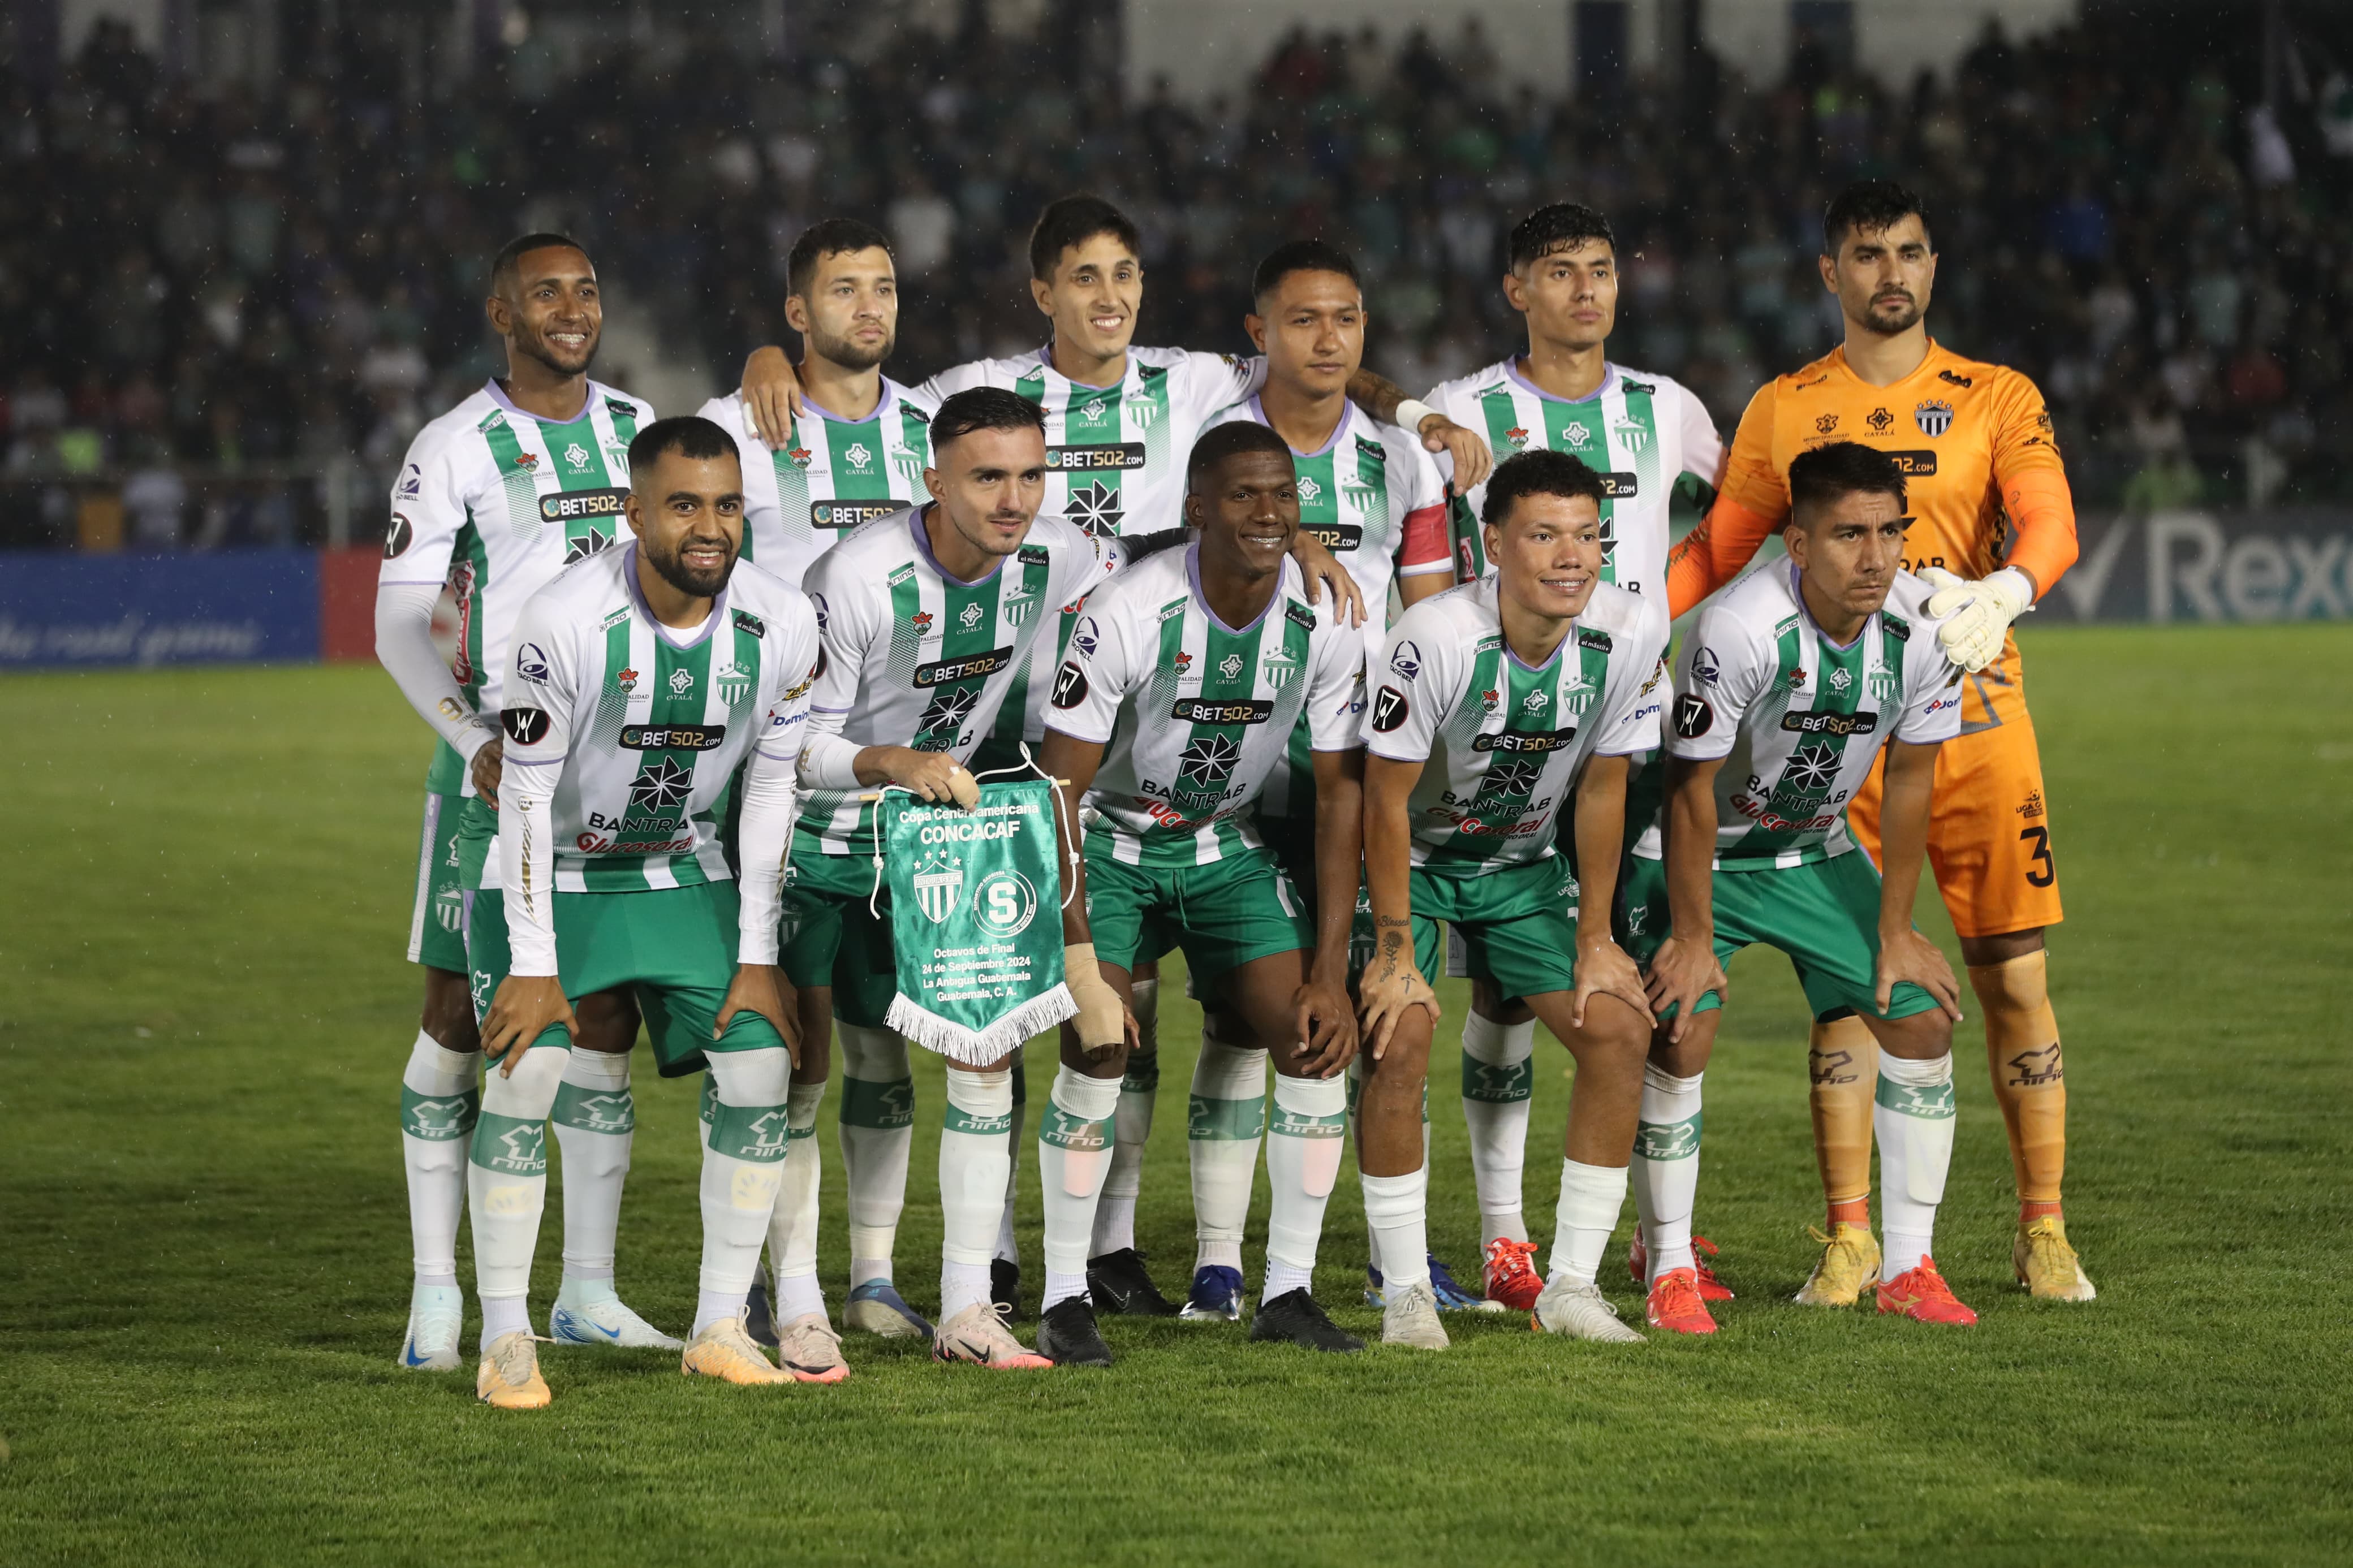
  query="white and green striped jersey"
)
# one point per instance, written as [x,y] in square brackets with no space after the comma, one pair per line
[831,475]
[1115,455]
[1798,719]
[1196,713]
[1378,501]
[1505,742]
[1641,432]
[495,503]
[916,658]
[630,731]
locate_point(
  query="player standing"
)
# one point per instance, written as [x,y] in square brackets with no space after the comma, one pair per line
[1376,498]
[928,617]
[856,451]
[1187,677]
[1993,527]
[498,494]
[639,681]
[1644,433]
[1789,690]
[1505,707]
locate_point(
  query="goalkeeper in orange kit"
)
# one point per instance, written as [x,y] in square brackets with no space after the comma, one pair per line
[1993,527]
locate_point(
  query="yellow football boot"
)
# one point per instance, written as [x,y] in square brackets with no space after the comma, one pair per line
[725,1352]
[2046,1265]
[1849,1266]
[507,1377]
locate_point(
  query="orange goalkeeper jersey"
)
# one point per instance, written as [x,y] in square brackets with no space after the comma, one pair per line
[1985,487]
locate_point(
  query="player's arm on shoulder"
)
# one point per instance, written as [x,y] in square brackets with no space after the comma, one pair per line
[1386,402]
[771,394]
[944,385]
[1752,500]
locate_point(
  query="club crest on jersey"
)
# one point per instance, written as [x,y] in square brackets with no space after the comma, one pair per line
[1935,417]
[1278,668]
[1631,435]
[681,681]
[938,881]
[1142,410]
[1882,684]
[734,683]
[1359,492]
[909,464]
[1518,436]
[1014,606]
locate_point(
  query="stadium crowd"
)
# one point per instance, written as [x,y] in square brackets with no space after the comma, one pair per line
[224,281]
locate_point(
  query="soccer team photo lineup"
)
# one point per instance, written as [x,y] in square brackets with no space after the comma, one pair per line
[847,718]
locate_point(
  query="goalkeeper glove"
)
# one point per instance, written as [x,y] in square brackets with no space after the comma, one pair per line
[1976,613]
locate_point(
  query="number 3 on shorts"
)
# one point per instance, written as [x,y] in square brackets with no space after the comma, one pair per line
[2044,872]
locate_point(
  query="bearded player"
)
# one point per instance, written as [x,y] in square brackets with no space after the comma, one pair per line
[526,476]
[1993,527]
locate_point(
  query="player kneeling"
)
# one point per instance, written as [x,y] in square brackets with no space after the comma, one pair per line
[1527,689]
[1186,679]
[1799,676]
[640,679]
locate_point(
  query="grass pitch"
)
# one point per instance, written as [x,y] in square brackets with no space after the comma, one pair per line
[202,1014]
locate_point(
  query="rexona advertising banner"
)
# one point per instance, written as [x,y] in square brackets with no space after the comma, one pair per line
[976,920]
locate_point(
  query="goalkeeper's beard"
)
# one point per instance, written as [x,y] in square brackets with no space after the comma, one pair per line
[1906,316]
[673,569]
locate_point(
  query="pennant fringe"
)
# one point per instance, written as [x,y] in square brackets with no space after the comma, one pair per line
[982,1046]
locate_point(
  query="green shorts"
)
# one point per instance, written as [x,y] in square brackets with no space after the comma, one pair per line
[1518,925]
[674,948]
[1292,839]
[437,925]
[827,936]
[478,840]
[1223,914]
[1824,915]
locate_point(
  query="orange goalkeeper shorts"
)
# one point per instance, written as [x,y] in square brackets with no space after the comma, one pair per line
[1989,827]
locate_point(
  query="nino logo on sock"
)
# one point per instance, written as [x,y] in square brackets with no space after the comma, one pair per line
[1667,1140]
[2032,1069]
[1933,1101]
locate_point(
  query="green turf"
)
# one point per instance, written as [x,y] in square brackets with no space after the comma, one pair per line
[203,1259]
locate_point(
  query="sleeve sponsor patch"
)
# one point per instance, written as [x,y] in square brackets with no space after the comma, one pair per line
[1389,709]
[1070,686]
[398,536]
[524,726]
[1693,716]
[531,663]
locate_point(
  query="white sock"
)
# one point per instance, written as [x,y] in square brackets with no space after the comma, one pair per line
[1499,1079]
[1226,1118]
[1008,1245]
[878,1129]
[1590,1198]
[439,1105]
[595,1120]
[792,1228]
[1666,1166]
[743,1167]
[506,1183]
[1130,1127]
[1396,1216]
[1913,1120]
[1304,1139]
[973,1161]
[1073,1156]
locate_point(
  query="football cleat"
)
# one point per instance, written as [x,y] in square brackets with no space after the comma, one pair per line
[1921,1295]
[977,1337]
[1675,1304]
[435,1315]
[1849,1264]
[1294,1317]
[1067,1334]
[725,1352]
[1450,1296]
[1004,1285]
[507,1377]
[1711,1288]
[588,1312]
[1216,1295]
[1411,1318]
[1576,1310]
[875,1308]
[2047,1265]
[810,1349]
[1120,1281]
[1511,1274]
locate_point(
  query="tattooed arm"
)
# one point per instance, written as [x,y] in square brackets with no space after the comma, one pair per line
[1392,983]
